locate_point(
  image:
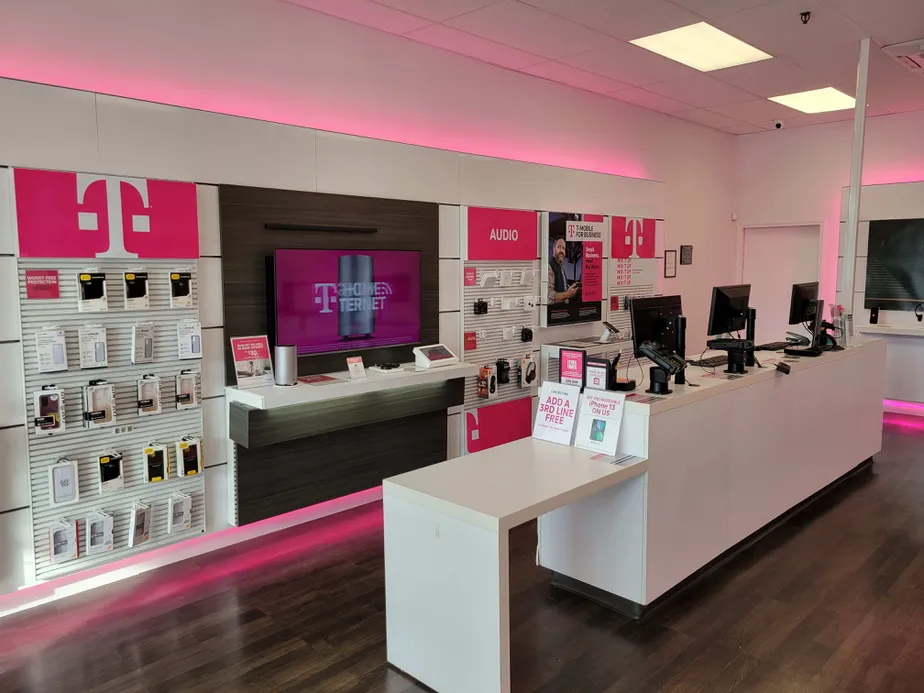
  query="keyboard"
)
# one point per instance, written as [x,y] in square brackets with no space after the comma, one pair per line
[772,346]
[802,351]
[730,344]
[711,362]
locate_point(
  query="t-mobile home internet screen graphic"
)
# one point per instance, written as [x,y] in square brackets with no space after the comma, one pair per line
[336,300]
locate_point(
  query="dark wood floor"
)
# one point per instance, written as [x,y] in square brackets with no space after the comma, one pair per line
[831,602]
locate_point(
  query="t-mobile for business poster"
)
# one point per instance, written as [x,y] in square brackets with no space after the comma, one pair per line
[574,257]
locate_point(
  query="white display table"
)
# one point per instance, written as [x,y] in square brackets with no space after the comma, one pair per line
[713,465]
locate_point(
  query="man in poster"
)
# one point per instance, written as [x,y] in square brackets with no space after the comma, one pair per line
[559,289]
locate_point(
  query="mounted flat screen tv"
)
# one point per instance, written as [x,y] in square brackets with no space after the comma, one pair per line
[895,264]
[345,300]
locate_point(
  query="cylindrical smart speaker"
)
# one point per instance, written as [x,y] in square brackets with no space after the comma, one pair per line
[286,365]
[356,290]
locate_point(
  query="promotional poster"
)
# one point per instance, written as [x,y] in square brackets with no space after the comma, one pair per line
[600,420]
[574,259]
[556,413]
[335,300]
[252,364]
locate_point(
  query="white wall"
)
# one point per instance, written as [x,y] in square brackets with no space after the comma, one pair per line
[303,70]
[795,176]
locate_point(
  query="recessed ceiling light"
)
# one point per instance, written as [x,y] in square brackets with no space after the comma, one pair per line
[817,100]
[702,47]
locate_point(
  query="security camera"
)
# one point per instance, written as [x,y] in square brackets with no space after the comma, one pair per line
[778,124]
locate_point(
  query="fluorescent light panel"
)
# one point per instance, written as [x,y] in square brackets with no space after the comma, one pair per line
[702,47]
[817,100]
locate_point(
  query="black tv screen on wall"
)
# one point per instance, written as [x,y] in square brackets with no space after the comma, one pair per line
[895,264]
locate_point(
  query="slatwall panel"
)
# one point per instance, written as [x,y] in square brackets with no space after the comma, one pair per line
[492,346]
[131,432]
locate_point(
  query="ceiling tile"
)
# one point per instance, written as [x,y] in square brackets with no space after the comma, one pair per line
[707,118]
[474,46]
[718,8]
[757,111]
[836,65]
[625,19]
[630,64]
[891,87]
[770,78]
[700,90]
[528,29]
[559,72]
[437,10]
[650,100]
[367,13]
[889,21]
[777,29]
[743,129]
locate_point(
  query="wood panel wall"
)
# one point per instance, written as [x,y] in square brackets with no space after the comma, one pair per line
[246,243]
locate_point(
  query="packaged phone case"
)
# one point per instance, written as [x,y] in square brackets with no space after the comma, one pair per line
[156,463]
[186,390]
[149,395]
[91,292]
[181,290]
[188,456]
[136,290]
[98,404]
[143,342]
[189,339]
[110,472]
[63,483]
[51,349]
[98,532]
[48,405]
[62,541]
[139,527]
[179,513]
[92,342]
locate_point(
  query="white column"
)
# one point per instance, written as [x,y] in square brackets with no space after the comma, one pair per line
[856,171]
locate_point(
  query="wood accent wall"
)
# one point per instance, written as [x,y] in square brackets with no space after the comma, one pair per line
[246,243]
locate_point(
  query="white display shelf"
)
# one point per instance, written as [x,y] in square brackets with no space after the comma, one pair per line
[273,396]
[890,331]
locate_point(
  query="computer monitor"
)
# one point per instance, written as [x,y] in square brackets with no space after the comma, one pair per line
[803,304]
[729,309]
[653,320]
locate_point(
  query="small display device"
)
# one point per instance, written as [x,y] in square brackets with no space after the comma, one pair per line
[179,513]
[51,350]
[156,463]
[110,472]
[62,541]
[189,339]
[98,533]
[98,404]
[149,395]
[48,405]
[186,390]
[91,292]
[188,456]
[598,374]
[92,342]
[433,356]
[139,527]
[143,342]
[181,290]
[136,290]
[63,482]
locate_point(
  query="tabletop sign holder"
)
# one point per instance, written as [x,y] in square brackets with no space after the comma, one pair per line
[433,356]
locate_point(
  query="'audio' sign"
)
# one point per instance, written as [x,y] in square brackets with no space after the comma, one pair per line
[502,234]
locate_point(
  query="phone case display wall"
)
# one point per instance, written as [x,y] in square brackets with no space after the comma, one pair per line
[499,312]
[104,438]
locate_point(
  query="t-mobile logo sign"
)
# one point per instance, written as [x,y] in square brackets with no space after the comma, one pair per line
[633,238]
[351,297]
[83,215]
[89,221]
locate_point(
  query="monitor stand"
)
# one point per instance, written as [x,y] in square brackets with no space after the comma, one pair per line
[736,360]
[659,379]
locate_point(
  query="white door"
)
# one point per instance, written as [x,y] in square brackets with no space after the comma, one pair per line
[775,258]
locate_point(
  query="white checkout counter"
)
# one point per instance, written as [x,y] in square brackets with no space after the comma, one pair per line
[700,471]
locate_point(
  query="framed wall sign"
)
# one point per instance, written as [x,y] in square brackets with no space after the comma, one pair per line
[670,264]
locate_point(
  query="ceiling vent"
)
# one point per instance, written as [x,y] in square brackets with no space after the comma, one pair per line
[909,54]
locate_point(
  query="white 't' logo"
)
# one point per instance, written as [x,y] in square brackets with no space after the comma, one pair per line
[89,221]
